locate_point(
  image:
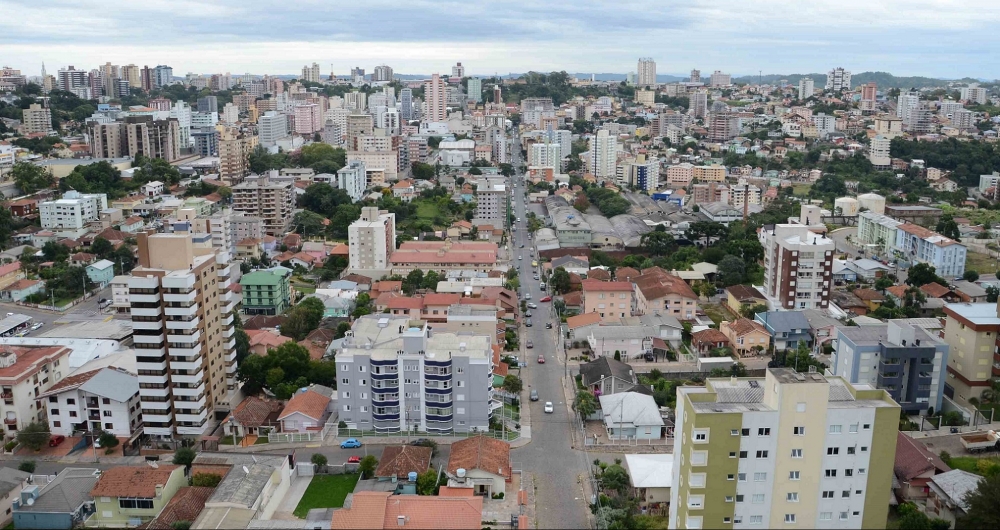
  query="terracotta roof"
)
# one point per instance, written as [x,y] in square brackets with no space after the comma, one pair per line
[82,256]
[897,290]
[267,338]
[250,241]
[400,460]
[263,322]
[599,274]
[573,298]
[255,412]
[29,361]
[914,459]
[709,336]
[387,286]
[21,285]
[483,453]
[626,274]
[358,279]
[869,295]
[185,505]
[744,292]
[917,230]
[381,510]
[934,290]
[132,481]
[72,381]
[585,319]
[441,298]
[446,491]
[132,220]
[592,285]
[743,326]
[309,403]
[9,268]
[655,283]
[403,302]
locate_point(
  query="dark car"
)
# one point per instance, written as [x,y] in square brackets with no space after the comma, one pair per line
[548,325]
[56,440]
[421,442]
[529,345]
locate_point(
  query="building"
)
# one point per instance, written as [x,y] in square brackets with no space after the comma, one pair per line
[101,272]
[606,376]
[719,79]
[63,503]
[631,416]
[406,107]
[974,94]
[475,90]
[12,482]
[878,152]
[372,240]
[352,178]
[491,203]
[838,79]
[36,119]
[435,99]
[444,256]
[604,154]
[807,87]
[905,360]
[747,337]
[971,333]
[383,510]
[126,494]
[480,464]
[544,154]
[420,381]
[798,264]
[251,489]
[72,212]
[646,72]
[184,337]
[25,372]
[272,127]
[948,492]
[611,300]
[698,103]
[271,201]
[266,292]
[804,451]
[308,118]
[644,174]
[923,245]
[235,146]
[311,73]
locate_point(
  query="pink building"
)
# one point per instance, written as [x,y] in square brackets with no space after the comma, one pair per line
[680,175]
[308,118]
[611,300]
[436,98]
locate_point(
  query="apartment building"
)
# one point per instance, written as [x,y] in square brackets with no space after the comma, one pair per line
[272,127]
[491,203]
[744,193]
[134,136]
[807,87]
[266,292]
[719,79]
[711,192]
[72,212]
[25,373]
[612,300]
[386,162]
[971,331]
[271,201]
[798,264]
[436,99]
[396,375]
[698,107]
[680,175]
[646,72]
[878,152]
[311,73]
[308,118]
[974,94]
[877,230]
[372,240]
[94,400]
[838,79]
[352,178]
[235,146]
[658,292]
[923,245]
[787,450]
[36,119]
[901,358]
[546,154]
[604,154]
[184,336]
[643,174]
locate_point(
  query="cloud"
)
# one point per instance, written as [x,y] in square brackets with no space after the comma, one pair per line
[906,37]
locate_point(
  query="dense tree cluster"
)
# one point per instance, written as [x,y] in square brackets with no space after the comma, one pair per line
[284,370]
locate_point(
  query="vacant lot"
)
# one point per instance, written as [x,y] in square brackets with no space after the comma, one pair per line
[326,491]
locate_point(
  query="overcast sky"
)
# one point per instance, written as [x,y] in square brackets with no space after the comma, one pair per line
[941,38]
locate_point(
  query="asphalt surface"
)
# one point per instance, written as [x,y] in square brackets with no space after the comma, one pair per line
[83,312]
[839,237]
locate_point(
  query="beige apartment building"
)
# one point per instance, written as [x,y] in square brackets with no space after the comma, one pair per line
[235,147]
[136,135]
[971,331]
[37,119]
[184,335]
[372,240]
[713,173]
[271,201]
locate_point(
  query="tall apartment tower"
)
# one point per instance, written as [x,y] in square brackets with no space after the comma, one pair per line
[436,99]
[163,75]
[311,73]
[646,72]
[604,150]
[372,240]
[271,127]
[406,103]
[491,203]
[475,89]
[37,119]
[235,147]
[183,315]
[720,79]
[71,79]
[130,72]
[787,450]
[458,70]
[698,104]
[971,331]
[382,73]
[974,94]
[696,76]
[272,201]
[838,79]
[807,87]
[798,265]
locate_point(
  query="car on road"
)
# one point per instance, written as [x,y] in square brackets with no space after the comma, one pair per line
[354,459]
[541,286]
[37,326]
[520,257]
[529,345]
[527,296]
[534,263]
[532,305]
[522,245]
[528,313]
[541,359]
[56,440]
[546,299]
[548,407]
[350,443]
[421,442]
[527,323]
[10,314]
[548,325]
[534,395]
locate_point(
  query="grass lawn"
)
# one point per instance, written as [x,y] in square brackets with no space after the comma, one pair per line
[304,289]
[716,312]
[653,522]
[980,263]
[326,491]
[971,464]
[427,211]
[801,189]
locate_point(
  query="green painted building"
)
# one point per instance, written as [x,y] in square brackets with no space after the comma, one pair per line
[127,496]
[266,292]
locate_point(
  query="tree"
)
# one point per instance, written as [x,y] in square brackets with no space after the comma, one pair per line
[883,283]
[992,294]
[732,270]
[316,153]
[947,227]
[413,281]
[970,276]
[28,466]
[367,466]
[585,403]
[422,171]
[184,457]
[30,178]
[304,318]
[984,505]
[658,243]
[512,384]
[751,311]
[560,281]
[101,248]
[581,203]
[53,251]
[922,274]
[319,460]
[108,440]
[34,435]
[308,223]
[206,480]
[427,482]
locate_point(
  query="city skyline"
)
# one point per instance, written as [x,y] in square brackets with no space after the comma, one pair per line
[251,36]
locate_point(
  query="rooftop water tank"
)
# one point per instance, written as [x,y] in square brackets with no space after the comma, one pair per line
[412,476]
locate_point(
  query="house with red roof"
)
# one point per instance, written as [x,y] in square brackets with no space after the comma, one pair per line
[612,300]
[381,510]
[661,293]
[914,467]
[308,410]
[444,256]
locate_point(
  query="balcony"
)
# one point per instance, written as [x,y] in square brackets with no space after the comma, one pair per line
[156,367]
[147,339]
[10,420]
[182,298]
[156,405]
[387,386]
[389,416]
[185,352]
[387,400]
[153,379]
[996,369]
[194,378]
[180,311]
[231,369]
[394,376]
[185,325]
[144,298]
[155,325]
[157,418]
[439,417]
[149,352]
[146,311]
[231,356]
[192,364]
[183,338]
[153,392]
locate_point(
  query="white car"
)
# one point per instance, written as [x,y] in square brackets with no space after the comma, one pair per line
[548,407]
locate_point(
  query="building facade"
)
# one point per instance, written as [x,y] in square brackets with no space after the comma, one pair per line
[271,201]
[372,240]
[266,292]
[971,331]
[798,264]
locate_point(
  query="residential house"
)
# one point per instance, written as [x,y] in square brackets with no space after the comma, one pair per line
[746,337]
[664,327]
[63,503]
[626,274]
[573,301]
[625,342]
[131,495]
[787,328]
[969,292]
[104,399]
[740,297]
[252,491]
[598,273]
[821,326]
[841,273]
[307,410]
[948,493]
[605,376]
[382,510]
[253,416]
[485,462]
[10,273]
[578,326]
[398,461]
[317,342]
[631,415]
[575,264]
[82,259]
[651,476]
[101,273]
[871,298]
[867,270]
[186,505]
[611,300]
[936,290]
[337,303]
[262,340]
[12,481]
[661,293]
[248,249]
[21,289]
[914,466]
[849,303]
[706,340]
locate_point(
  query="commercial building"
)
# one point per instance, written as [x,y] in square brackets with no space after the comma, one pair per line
[372,240]
[474,91]
[184,335]
[422,381]
[444,256]
[838,79]
[37,119]
[719,79]
[272,127]
[971,332]
[787,450]
[899,357]
[266,292]
[646,72]
[271,201]
[798,264]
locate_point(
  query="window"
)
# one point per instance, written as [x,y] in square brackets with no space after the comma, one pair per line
[857,492]
[345,381]
[835,429]
[828,494]
[792,497]
[855,514]
[745,432]
[742,477]
[734,432]
[347,395]
[71,401]
[800,407]
[726,520]
[729,498]
[739,498]
[697,480]
[799,431]
[53,399]
[347,408]
[759,476]
[730,477]
[843,516]
[825,516]
[850,450]
[832,451]
[737,519]
[693,522]
[54,412]
[761,454]
[848,472]
[793,475]
[764,431]
[789,517]
[757,498]
[700,435]
[853,428]
[696,501]
[756,519]
[796,453]
[732,454]
[831,473]
[127,503]
[864,448]
[699,458]
[57,424]
[868,426]
[106,413]
[846,494]
[743,454]
[861,471]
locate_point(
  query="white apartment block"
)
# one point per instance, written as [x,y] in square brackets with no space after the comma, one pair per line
[546,155]
[905,104]
[604,153]
[806,88]
[272,127]
[798,266]
[101,399]
[72,212]
[230,114]
[356,101]
[27,372]
[838,79]
[385,161]
[743,192]
[372,240]
[311,73]
[184,334]
[271,201]
[646,72]
[491,203]
[878,152]
[719,79]
[351,178]
[878,230]
[698,103]
[974,94]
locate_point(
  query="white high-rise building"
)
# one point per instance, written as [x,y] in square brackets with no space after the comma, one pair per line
[351,178]
[182,111]
[475,89]
[72,212]
[436,99]
[905,105]
[878,152]
[806,88]
[311,73]
[838,79]
[546,155]
[458,70]
[646,72]
[491,203]
[272,127]
[356,101]
[720,79]
[698,104]
[230,114]
[604,153]
[372,240]
[973,94]
[383,73]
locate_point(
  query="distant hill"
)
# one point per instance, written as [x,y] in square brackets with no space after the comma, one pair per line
[884,80]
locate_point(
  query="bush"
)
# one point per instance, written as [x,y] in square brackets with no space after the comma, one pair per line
[319,460]
[206,480]
[108,440]
[367,466]
[28,466]
[184,456]
[9,446]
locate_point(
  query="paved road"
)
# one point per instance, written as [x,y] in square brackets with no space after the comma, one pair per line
[87,311]
[557,469]
[840,236]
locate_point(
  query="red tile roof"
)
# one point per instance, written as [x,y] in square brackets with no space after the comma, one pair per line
[743,326]
[586,319]
[934,290]
[29,361]
[708,336]
[255,412]
[869,295]
[381,510]
[186,505]
[599,274]
[132,481]
[592,285]
[914,459]
[400,460]
[483,453]
[309,403]
[626,274]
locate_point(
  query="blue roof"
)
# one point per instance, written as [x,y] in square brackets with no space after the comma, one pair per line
[784,321]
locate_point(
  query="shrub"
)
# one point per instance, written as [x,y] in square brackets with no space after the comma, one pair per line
[34,435]
[206,480]
[319,460]
[184,456]
[28,466]
[108,440]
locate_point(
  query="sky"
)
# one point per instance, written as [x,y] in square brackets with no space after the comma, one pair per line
[935,38]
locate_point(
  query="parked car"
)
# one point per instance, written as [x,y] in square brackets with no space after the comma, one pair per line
[421,442]
[534,395]
[350,443]
[548,325]
[532,305]
[548,407]
[527,313]
[354,459]
[527,323]
[546,299]
[649,357]
[37,326]
[527,296]
[529,345]
[56,440]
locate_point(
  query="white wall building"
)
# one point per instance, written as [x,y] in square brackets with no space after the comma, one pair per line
[604,153]
[72,212]
[372,240]
[101,399]
[838,79]
[271,127]
[351,178]
[806,87]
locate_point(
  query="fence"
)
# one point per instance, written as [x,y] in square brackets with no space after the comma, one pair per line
[299,437]
[508,435]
